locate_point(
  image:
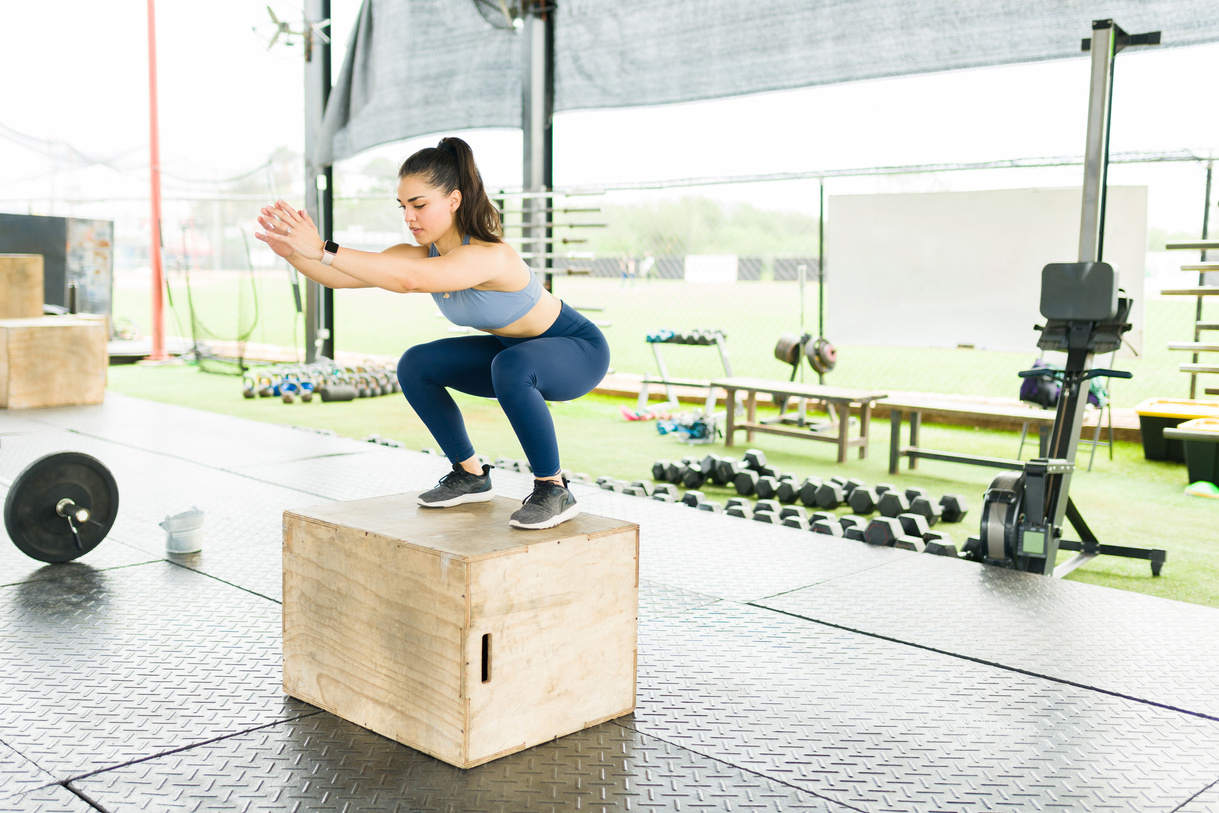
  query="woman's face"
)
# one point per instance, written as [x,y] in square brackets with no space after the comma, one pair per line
[428,212]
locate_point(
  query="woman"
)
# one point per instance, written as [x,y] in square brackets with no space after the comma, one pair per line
[534,348]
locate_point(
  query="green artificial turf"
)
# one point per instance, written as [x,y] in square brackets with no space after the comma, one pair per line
[1127,501]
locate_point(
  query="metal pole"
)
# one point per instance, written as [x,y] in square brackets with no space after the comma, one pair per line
[154,164]
[1096,148]
[317,179]
[537,102]
[1206,222]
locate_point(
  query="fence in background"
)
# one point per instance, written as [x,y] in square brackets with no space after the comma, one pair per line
[637,281]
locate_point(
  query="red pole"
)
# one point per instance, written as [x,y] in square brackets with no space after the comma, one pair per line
[158,273]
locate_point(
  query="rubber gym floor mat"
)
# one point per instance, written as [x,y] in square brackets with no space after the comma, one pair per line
[17,422]
[108,667]
[1138,646]
[374,472]
[322,763]
[18,775]
[656,599]
[51,799]
[242,522]
[728,557]
[883,726]
[207,438]
[1205,802]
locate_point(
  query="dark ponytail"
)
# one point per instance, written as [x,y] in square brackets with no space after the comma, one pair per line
[448,166]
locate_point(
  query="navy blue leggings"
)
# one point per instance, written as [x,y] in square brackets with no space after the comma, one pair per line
[562,364]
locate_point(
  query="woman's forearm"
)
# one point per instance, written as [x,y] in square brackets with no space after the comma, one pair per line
[324,274]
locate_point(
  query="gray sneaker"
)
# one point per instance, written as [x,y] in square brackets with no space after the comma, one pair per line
[457,487]
[548,505]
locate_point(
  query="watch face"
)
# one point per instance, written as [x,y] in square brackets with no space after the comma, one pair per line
[330,247]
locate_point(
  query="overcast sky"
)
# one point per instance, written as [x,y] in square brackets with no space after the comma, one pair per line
[76,74]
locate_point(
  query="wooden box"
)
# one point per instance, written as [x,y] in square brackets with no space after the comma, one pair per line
[453,633]
[52,361]
[20,286]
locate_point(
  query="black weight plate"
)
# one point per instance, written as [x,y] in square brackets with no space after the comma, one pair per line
[29,510]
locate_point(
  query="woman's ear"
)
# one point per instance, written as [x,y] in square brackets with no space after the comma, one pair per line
[454,200]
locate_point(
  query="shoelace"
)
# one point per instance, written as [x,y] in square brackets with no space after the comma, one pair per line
[539,491]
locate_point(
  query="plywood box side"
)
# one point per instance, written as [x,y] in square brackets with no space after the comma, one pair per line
[373,633]
[53,361]
[21,289]
[562,619]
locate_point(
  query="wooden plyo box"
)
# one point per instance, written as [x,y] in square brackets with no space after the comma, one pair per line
[453,633]
[21,291]
[52,361]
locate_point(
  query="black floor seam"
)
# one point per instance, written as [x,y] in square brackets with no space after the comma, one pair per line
[199,744]
[222,581]
[1003,666]
[749,771]
[84,797]
[1191,799]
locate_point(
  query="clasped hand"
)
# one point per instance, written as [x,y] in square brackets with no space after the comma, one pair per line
[289,231]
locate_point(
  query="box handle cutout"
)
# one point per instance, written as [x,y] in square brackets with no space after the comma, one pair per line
[487,658]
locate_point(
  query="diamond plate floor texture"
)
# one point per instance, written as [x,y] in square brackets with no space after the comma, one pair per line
[778,671]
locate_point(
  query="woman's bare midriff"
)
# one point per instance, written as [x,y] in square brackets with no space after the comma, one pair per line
[539,319]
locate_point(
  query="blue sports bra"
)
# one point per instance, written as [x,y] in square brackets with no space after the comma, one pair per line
[486,310]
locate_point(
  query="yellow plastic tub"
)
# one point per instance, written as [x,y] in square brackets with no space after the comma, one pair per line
[1158,414]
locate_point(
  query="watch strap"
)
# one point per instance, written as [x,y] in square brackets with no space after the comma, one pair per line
[329,249]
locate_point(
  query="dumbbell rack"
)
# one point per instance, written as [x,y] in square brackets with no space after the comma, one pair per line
[1195,368]
[714,338]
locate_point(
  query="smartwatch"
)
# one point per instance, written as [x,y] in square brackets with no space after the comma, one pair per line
[329,249]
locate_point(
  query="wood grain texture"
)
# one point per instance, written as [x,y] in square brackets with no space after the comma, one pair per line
[386,605]
[52,361]
[21,291]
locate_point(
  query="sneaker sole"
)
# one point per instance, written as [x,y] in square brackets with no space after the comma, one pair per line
[481,496]
[558,519]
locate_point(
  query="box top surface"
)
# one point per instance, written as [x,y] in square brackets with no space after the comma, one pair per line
[470,531]
[89,320]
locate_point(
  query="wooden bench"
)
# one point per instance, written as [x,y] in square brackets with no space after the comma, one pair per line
[918,409]
[839,403]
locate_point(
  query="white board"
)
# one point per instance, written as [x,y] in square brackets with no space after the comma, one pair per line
[711,269]
[952,269]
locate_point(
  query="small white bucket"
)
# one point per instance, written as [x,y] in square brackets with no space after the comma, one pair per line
[184,532]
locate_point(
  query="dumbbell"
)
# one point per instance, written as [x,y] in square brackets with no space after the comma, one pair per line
[666,488]
[954,508]
[767,507]
[660,471]
[924,507]
[863,500]
[828,527]
[726,470]
[692,498]
[795,512]
[829,495]
[787,492]
[914,525]
[939,543]
[914,492]
[766,516]
[713,507]
[888,531]
[746,482]
[663,496]
[892,503]
[739,507]
[767,487]
[754,459]
[692,476]
[645,487]
[808,490]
